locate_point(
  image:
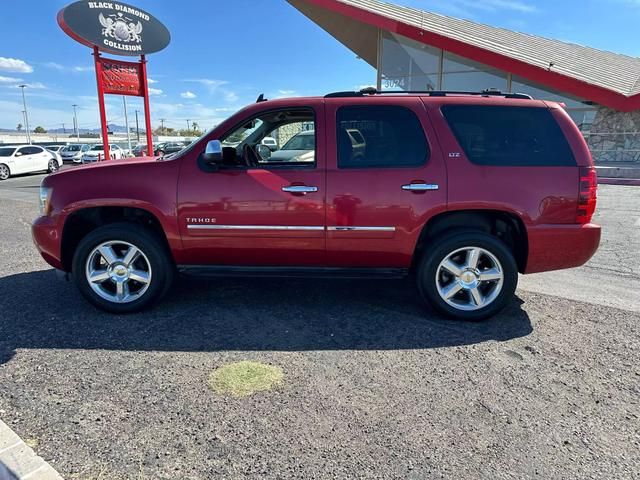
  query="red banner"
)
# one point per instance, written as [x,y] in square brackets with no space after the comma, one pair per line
[121,78]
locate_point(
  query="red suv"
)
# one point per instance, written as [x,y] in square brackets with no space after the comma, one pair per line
[463,191]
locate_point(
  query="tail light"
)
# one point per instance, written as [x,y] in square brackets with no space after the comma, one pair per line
[588,195]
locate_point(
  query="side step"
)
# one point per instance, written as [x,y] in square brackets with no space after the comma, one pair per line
[296,272]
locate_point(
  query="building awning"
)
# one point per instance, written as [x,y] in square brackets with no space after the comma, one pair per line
[599,76]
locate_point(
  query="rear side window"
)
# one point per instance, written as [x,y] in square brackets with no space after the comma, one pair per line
[509,136]
[380,137]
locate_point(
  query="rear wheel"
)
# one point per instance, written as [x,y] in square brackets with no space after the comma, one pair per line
[4,172]
[468,275]
[122,268]
[53,166]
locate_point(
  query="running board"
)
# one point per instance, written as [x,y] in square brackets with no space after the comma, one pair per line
[308,272]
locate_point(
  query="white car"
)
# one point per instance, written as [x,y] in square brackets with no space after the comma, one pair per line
[271,143]
[27,159]
[96,153]
[73,153]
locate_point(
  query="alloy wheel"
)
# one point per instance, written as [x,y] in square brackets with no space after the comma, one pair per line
[53,166]
[469,279]
[4,172]
[118,272]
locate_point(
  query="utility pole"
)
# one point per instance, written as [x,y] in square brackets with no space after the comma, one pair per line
[26,115]
[162,126]
[188,126]
[126,122]
[137,127]
[75,122]
[64,130]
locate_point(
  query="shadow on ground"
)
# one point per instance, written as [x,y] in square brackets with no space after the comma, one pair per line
[40,311]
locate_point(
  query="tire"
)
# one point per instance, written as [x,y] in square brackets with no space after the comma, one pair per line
[449,283]
[5,173]
[53,166]
[148,277]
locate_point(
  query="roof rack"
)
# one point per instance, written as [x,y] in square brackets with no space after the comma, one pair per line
[430,93]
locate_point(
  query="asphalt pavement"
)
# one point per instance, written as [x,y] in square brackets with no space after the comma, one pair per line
[375,384]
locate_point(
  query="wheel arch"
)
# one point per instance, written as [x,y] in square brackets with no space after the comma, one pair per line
[79,223]
[506,225]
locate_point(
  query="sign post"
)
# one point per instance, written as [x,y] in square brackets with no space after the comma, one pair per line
[119,29]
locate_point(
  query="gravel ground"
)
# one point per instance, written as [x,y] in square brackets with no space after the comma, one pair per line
[375,386]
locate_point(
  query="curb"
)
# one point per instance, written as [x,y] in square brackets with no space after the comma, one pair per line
[634,182]
[19,462]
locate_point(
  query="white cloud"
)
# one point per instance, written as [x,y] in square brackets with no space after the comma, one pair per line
[9,80]
[188,94]
[155,91]
[62,68]
[15,65]
[37,86]
[151,81]
[54,65]
[217,87]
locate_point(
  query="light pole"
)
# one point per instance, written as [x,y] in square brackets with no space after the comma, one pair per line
[162,126]
[126,122]
[137,127]
[75,122]
[188,126]
[26,115]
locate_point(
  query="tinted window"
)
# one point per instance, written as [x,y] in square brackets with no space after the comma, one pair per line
[516,136]
[301,141]
[380,136]
[30,150]
[6,152]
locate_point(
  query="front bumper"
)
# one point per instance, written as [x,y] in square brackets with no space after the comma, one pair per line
[48,241]
[556,247]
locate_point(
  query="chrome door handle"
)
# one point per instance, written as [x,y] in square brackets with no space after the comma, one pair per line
[300,189]
[420,187]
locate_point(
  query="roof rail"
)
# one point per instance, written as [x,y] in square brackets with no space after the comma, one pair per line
[430,93]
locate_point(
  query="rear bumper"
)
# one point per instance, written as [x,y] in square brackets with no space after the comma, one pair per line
[47,239]
[556,247]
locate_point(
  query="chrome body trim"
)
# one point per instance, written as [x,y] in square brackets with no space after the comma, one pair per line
[253,227]
[361,229]
[290,228]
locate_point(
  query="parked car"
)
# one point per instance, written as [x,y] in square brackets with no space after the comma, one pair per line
[141,150]
[96,153]
[26,159]
[271,143]
[56,153]
[73,153]
[300,147]
[54,148]
[460,192]
[168,147]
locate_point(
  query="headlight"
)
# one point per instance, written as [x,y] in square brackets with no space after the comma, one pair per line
[45,200]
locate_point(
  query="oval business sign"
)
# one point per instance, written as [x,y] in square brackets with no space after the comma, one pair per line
[114,27]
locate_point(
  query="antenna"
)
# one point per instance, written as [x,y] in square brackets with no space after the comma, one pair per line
[261,98]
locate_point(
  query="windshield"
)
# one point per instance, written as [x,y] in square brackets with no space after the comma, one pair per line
[6,152]
[54,148]
[301,142]
[72,148]
[97,148]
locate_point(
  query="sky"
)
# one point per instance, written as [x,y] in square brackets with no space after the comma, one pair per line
[223,54]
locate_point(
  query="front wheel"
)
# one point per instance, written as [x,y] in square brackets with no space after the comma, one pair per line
[122,268]
[53,166]
[468,275]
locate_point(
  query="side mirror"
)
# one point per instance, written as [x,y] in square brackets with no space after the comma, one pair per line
[213,152]
[263,152]
[18,154]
